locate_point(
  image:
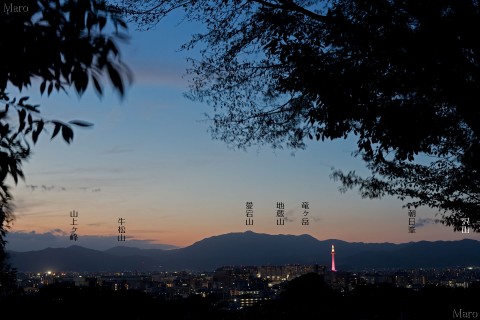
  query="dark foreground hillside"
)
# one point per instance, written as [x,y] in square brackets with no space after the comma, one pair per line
[306,297]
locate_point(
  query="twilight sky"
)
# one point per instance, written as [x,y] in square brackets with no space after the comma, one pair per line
[150,160]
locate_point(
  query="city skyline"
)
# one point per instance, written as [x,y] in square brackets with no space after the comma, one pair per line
[150,160]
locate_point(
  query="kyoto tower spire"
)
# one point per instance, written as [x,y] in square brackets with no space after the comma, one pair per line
[333,258]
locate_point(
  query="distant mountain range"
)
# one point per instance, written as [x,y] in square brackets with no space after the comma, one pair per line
[249,248]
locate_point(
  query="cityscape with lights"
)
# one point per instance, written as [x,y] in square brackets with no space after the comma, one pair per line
[246,291]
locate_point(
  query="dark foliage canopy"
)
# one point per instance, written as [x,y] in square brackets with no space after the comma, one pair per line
[57,44]
[401,76]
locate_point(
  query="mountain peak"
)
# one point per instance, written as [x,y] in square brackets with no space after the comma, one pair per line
[250,248]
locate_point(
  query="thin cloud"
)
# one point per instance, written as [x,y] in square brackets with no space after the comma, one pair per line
[118,149]
[424,221]
[146,230]
[289,215]
[36,214]
[50,173]
[24,203]
[96,224]
[57,232]
[96,170]
[45,188]
[90,189]
[166,74]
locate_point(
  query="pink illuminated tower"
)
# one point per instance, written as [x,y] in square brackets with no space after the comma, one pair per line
[333,258]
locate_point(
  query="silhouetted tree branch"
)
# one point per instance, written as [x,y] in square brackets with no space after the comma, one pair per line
[402,76]
[60,44]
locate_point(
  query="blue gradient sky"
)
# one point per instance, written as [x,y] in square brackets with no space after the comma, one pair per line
[150,160]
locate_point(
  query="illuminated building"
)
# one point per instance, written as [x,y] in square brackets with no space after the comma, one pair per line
[333,258]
